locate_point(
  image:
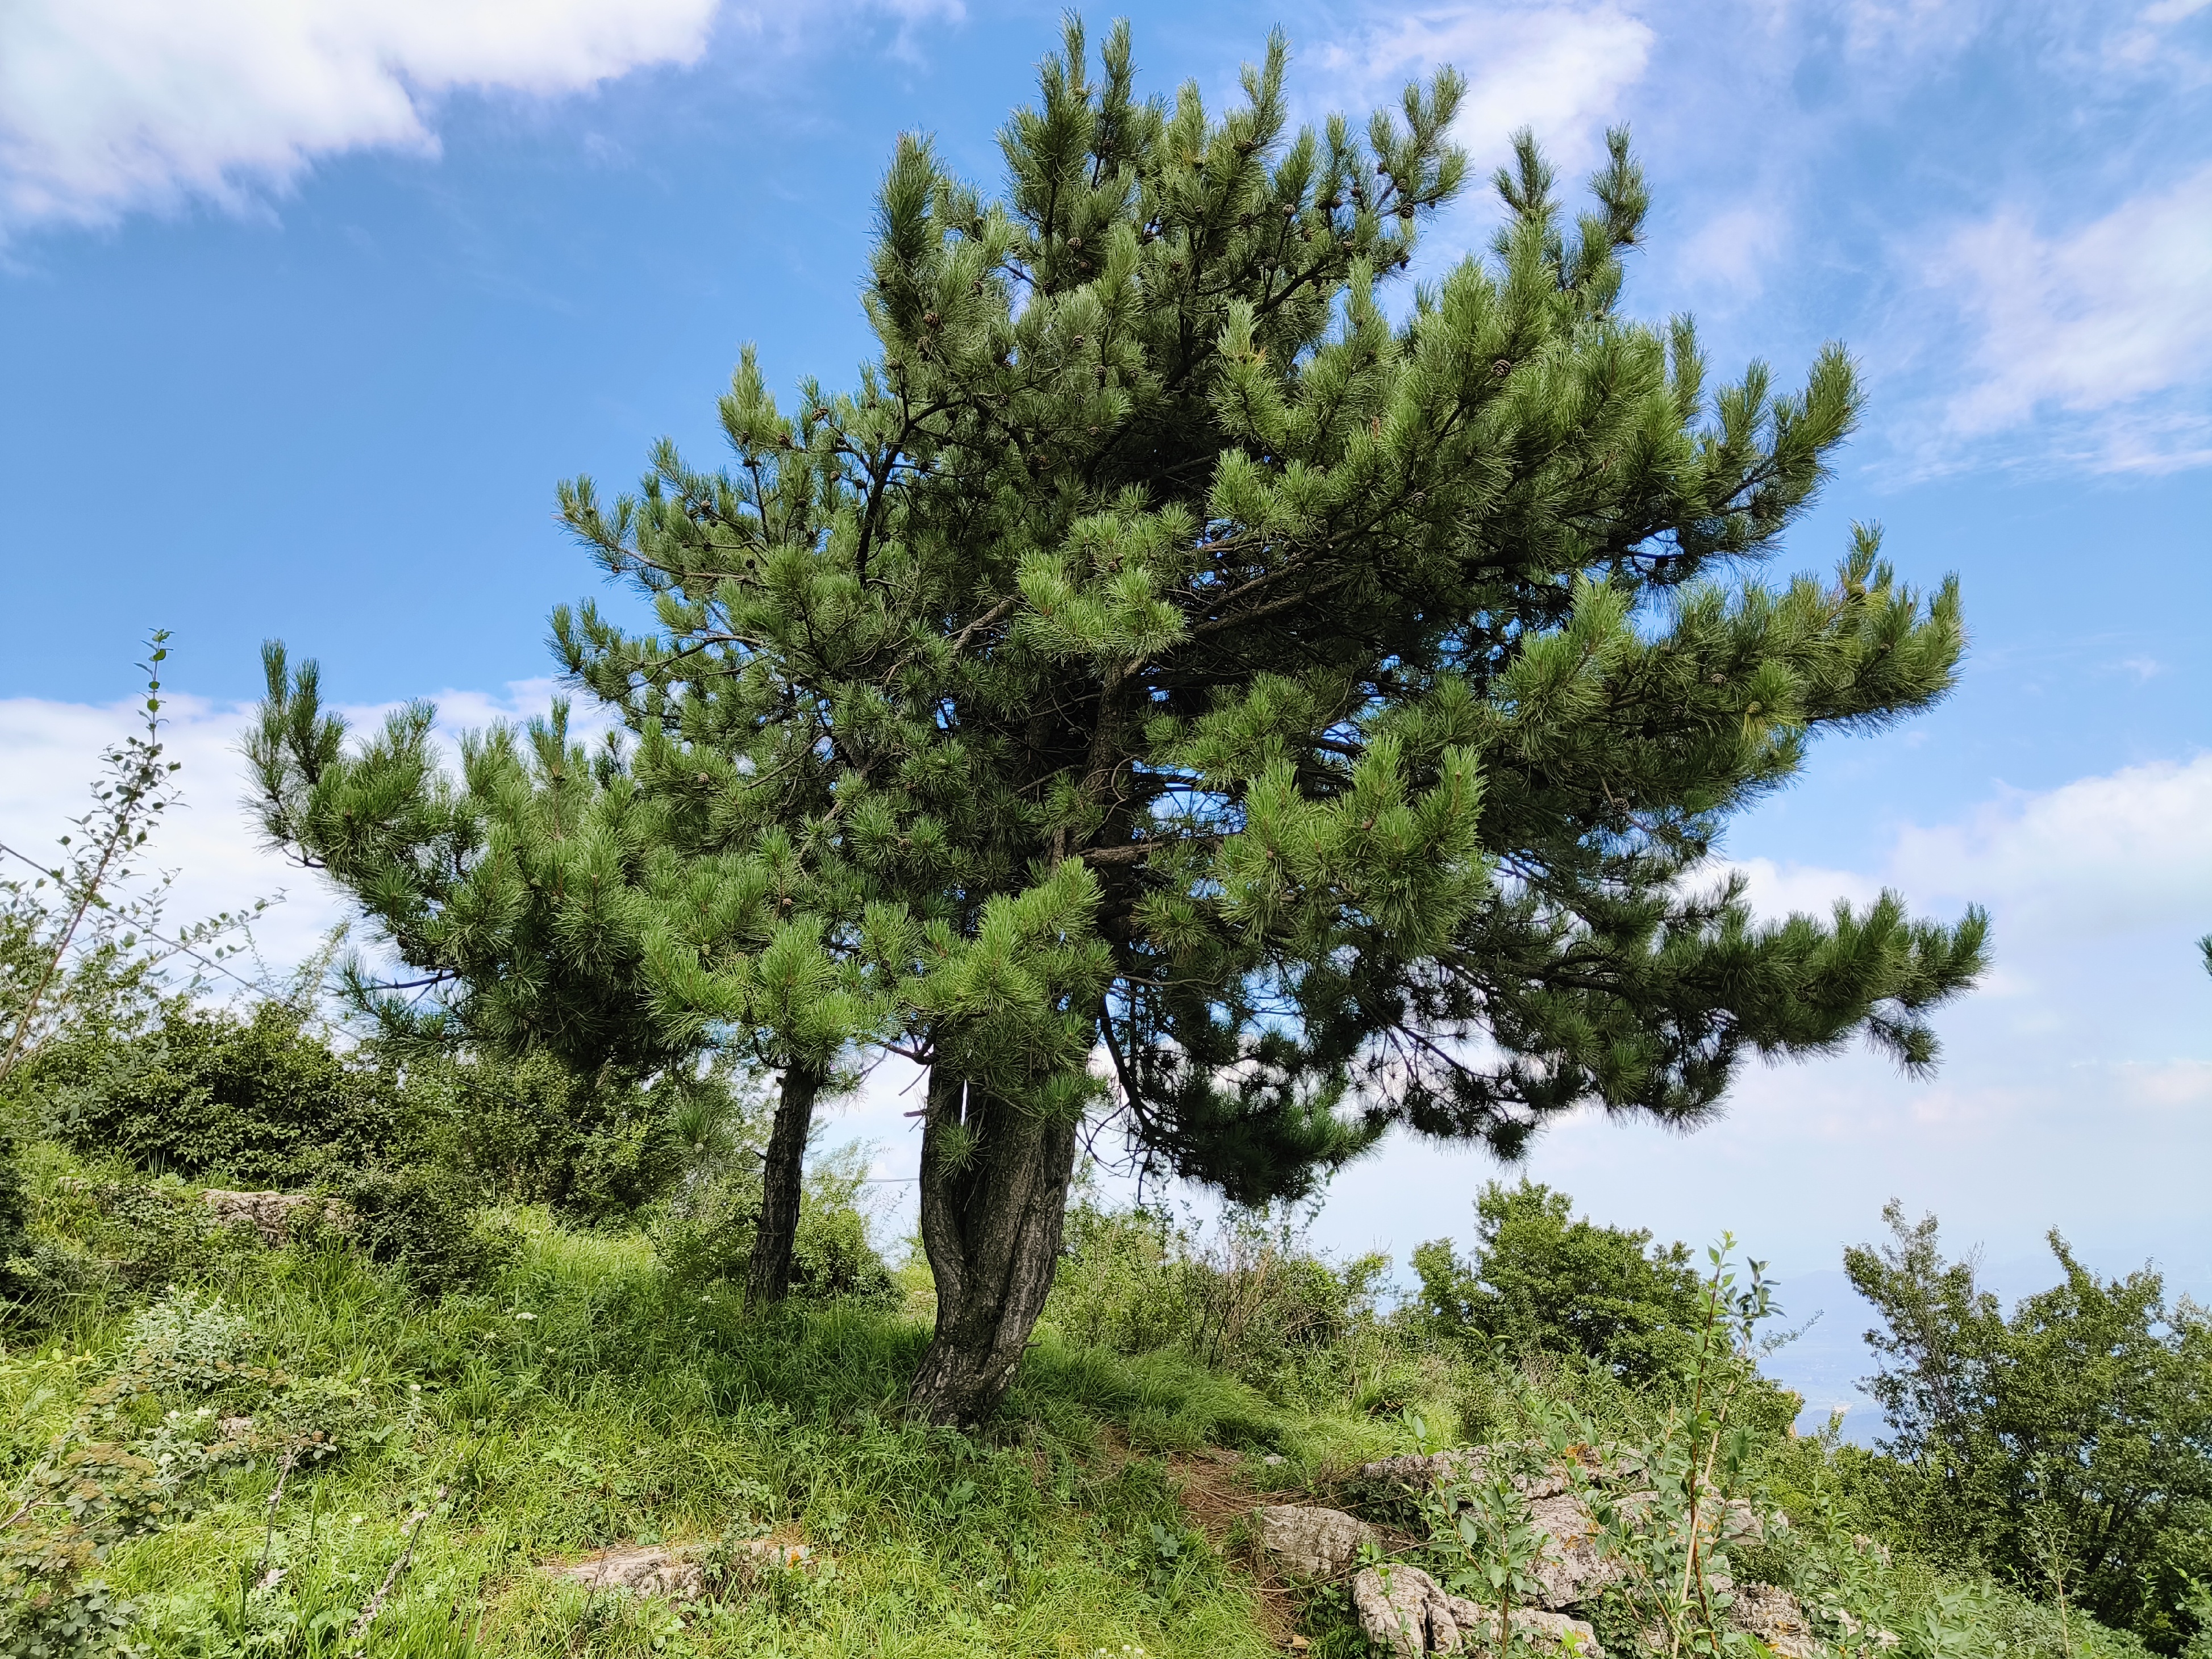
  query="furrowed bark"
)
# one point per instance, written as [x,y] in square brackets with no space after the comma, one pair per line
[991,1225]
[768,1274]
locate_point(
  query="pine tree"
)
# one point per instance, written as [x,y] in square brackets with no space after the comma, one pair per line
[1164,655]
[536,892]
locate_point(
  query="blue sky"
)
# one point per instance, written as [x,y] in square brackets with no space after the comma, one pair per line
[303,312]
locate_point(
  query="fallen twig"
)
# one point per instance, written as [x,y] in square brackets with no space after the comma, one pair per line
[376,1601]
[269,1531]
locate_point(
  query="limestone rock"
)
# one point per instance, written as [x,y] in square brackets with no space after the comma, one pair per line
[1309,1541]
[1461,1463]
[1775,1617]
[1741,1523]
[1392,1604]
[1405,1610]
[682,1572]
[1472,1464]
[1574,1566]
[269,1214]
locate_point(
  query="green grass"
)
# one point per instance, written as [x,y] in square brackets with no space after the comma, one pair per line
[580,1396]
[579,1402]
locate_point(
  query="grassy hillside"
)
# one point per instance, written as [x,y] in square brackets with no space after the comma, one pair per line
[577,1394]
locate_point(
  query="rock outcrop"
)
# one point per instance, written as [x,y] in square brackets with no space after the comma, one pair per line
[682,1572]
[1775,1617]
[1307,1542]
[1575,1566]
[1404,1610]
[269,1214]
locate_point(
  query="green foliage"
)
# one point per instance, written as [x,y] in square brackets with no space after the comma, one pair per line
[1539,1282]
[1479,1526]
[1252,1302]
[265,1100]
[182,1414]
[2197,1605]
[531,1130]
[107,1478]
[1675,1543]
[261,1101]
[16,1265]
[425,1220]
[2068,1444]
[705,1235]
[1167,647]
[157,1232]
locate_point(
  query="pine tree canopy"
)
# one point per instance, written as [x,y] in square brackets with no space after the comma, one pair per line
[528,889]
[1190,677]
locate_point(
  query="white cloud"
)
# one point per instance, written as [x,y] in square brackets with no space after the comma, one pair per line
[1561,70]
[49,753]
[2075,1090]
[2108,329]
[108,106]
[1733,250]
[2096,858]
[1910,29]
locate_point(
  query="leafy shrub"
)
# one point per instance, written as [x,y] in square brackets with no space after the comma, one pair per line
[706,1235]
[187,1340]
[109,1476]
[425,1220]
[159,1231]
[1254,1302]
[1539,1281]
[531,1131]
[1123,1280]
[16,1268]
[265,1102]
[255,1102]
[2068,1444]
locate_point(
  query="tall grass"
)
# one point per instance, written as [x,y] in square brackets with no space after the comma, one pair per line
[580,1395]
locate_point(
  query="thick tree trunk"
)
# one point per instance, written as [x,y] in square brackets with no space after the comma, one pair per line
[768,1275]
[991,1219]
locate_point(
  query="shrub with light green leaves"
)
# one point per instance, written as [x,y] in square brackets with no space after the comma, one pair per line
[1539,1281]
[705,1235]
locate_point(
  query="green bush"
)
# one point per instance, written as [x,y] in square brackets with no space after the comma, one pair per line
[263,1101]
[159,1232]
[255,1102]
[2067,1445]
[706,1235]
[1254,1303]
[425,1220]
[531,1131]
[1539,1281]
[16,1265]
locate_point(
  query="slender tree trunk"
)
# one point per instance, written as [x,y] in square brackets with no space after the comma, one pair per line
[768,1275]
[993,1199]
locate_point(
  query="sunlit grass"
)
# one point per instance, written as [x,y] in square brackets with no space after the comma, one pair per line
[577,1400]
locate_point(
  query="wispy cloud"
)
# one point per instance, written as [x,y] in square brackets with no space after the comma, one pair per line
[2102,331]
[1561,70]
[110,106]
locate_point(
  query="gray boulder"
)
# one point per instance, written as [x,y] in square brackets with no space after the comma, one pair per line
[1574,1566]
[1309,1541]
[1403,1609]
[682,1572]
[1775,1618]
[269,1214]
